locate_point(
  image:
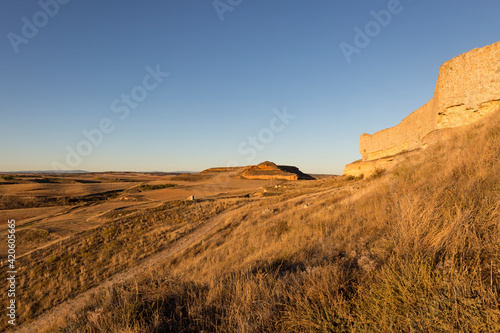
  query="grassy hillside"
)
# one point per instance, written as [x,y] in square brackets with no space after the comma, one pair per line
[414,250]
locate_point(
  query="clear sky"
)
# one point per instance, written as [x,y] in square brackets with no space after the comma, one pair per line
[190,84]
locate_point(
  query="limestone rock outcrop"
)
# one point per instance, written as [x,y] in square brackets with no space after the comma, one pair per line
[264,170]
[269,170]
[467,89]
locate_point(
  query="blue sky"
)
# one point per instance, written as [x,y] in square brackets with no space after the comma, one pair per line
[227,79]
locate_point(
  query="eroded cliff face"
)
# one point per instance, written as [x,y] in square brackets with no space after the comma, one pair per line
[461,115]
[467,89]
[263,171]
[269,170]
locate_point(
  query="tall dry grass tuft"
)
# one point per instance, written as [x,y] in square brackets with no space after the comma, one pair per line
[415,295]
[318,300]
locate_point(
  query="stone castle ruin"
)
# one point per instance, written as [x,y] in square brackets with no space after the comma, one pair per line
[467,89]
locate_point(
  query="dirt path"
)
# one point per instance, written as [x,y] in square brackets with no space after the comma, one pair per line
[80,209]
[71,306]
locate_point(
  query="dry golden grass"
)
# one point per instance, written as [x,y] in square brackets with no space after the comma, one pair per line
[51,274]
[415,250]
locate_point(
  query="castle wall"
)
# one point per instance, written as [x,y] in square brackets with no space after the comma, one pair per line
[468,88]
[469,80]
[404,137]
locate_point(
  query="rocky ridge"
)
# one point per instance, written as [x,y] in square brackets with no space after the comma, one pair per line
[264,170]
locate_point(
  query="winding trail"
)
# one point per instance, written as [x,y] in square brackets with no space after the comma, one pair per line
[73,210]
[73,305]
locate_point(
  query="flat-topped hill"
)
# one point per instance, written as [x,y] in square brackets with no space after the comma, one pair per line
[228,169]
[269,170]
[264,170]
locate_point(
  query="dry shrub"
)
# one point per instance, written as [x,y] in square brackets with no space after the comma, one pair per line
[415,295]
[318,300]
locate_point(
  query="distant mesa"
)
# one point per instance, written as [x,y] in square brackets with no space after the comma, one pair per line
[220,170]
[54,172]
[467,89]
[269,170]
[265,170]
